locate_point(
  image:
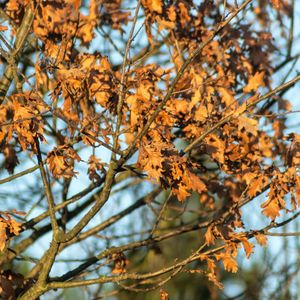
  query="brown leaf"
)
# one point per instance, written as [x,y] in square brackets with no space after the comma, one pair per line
[120,263]
[13,284]
[11,159]
[95,166]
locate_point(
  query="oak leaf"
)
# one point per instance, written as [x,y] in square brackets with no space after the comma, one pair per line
[248,247]
[227,96]
[257,185]
[171,12]
[248,124]
[120,263]
[255,81]
[61,161]
[261,239]
[95,167]
[8,228]
[209,236]
[271,209]
[3,234]
[216,147]
[154,5]
[229,262]
[11,159]
[164,295]
[276,3]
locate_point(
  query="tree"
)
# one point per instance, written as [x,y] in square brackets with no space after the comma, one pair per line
[178,113]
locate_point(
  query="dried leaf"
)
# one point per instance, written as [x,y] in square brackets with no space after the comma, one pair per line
[209,236]
[261,239]
[61,161]
[153,5]
[255,81]
[3,28]
[164,295]
[257,185]
[229,262]
[248,247]
[271,209]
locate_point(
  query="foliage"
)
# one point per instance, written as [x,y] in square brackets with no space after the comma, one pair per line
[176,105]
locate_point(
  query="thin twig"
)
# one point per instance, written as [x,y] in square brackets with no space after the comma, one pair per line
[48,192]
[122,82]
[21,37]
[20,174]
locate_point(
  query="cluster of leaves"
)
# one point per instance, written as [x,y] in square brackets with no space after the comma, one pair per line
[195,120]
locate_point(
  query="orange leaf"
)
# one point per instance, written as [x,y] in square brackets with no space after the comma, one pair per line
[209,236]
[276,4]
[229,262]
[261,239]
[172,13]
[3,28]
[250,125]
[271,209]
[153,5]
[256,185]
[3,236]
[227,96]
[248,247]
[216,147]
[15,227]
[255,81]
[61,161]
[164,295]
